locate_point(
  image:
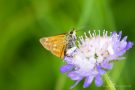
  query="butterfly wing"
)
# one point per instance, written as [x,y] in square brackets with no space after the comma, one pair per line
[55,44]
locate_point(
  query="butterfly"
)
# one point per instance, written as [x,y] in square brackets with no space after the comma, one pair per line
[59,44]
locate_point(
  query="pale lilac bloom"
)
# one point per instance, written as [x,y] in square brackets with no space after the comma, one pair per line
[93,56]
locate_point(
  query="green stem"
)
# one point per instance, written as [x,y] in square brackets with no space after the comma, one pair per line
[110,84]
[60,83]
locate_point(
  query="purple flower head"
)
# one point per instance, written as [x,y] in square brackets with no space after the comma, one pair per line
[93,56]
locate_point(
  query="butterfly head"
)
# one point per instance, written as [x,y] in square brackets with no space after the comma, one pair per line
[72,34]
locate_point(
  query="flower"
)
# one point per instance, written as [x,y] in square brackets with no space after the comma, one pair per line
[92,56]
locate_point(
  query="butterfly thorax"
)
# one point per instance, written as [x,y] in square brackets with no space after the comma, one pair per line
[71,40]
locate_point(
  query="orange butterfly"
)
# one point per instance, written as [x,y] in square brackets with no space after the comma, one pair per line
[59,44]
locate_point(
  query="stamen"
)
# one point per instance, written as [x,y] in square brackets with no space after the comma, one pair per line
[78,43]
[104,32]
[110,33]
[85,35]
[81,39]
[90,33]
[98,32]
[95,32]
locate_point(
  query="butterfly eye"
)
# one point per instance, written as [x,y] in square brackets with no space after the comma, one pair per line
[71,32]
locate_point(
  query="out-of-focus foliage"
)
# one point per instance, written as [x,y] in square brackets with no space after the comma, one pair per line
[26,65]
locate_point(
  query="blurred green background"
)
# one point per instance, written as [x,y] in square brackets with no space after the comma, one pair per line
[26,65]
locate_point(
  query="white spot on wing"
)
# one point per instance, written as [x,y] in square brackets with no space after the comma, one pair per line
[54,49]
[46,39]
[54,45]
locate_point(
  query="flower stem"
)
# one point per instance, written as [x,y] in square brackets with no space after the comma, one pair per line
[110,84]
[60,83]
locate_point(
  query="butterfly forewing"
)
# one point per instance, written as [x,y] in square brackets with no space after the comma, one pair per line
[55,44]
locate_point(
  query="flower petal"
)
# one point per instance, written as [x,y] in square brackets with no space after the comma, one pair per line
[119,35]
[98,81]
[88,81]
[129,45]
[74,75]
[106,65]
[75,83]
[66,68]
[124,38]
[100,70]
[113,33]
